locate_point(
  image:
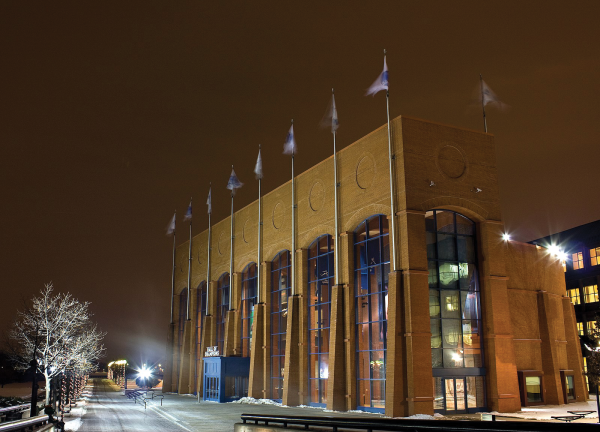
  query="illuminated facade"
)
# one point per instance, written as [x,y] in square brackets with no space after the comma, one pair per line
[467,322]
[581,247]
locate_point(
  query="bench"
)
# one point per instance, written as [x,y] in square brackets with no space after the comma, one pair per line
[581,413]
[135,394]
[568,418]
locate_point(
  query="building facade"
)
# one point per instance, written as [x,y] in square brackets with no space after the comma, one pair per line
[581,247]
[465,322]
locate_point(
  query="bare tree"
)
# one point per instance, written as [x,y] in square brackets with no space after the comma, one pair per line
[57,331]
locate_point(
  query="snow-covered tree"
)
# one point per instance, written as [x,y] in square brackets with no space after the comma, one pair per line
[58,331]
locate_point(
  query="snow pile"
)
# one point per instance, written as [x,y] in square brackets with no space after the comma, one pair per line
[422,417]
[253,401]
[73,422]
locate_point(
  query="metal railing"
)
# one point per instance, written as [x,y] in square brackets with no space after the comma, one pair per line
[412,425]
[25,424]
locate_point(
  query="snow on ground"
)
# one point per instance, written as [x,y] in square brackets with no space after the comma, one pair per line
[545,412]
[253,401]
[22,390]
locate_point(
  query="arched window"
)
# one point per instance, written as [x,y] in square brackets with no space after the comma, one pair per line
[249,277]
[181,324]
[321,271]
[280,292]
[200,314]
[372,266]
[455,312]
[222,308]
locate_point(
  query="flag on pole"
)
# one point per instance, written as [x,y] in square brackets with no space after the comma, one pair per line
[487,96]
[258,170]
[188,213]
[381,83]
[208,201]
[234,183]
[171,226]
[289,147]
[331,116]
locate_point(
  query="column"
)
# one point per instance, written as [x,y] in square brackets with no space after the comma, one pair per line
[499,353]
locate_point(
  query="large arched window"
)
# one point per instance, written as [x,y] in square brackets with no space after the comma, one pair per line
[321,271]
[280,293]
[222,308]
[249,277]
[455,313]
[181,325]
[372,266]
[200,314]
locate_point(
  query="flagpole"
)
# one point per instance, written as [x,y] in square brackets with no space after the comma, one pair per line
[259,236]
[231,251]
[208,252]
[293,228]
[483,104]
[393,208]
[173,274]
[335,198]
[189,269]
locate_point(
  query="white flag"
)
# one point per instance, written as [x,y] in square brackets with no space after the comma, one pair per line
[487,96]
[258,168]
[289,147]
[234,183]
[331,116]
[208,201]
[188,213]
[171,226]
[381,83]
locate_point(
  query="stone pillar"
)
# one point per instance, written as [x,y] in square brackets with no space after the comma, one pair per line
[574,359]
[257,353]
[395,391]
[336,383]
[265,269]
[193,341]
[184,365]
[291,373]
[232,343]
[347,276]
[301,357]
[550,310]
[416,322]
[168,372]
[499,352]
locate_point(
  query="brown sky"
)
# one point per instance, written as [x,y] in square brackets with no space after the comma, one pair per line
[112,114]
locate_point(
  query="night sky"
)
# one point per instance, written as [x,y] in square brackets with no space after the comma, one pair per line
[113,114]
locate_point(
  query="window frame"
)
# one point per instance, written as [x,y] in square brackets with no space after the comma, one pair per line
[522,375]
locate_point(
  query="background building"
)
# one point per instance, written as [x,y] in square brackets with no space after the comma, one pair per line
[467,321]
[581,246]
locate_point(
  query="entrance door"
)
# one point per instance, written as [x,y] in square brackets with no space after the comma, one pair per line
[455,389]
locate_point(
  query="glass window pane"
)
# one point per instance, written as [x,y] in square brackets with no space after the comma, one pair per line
[533,386]
[450,304]
[446,247]
[445,221]
[438,394]
[464,225]
[466,249]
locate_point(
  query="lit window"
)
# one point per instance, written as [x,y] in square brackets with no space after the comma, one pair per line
[591,293]
[574,296]
[585,364]
[595,256]
[591,328]
[577,260]
[580,328]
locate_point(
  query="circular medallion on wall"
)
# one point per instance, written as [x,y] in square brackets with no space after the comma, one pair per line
[249,231]
[365,172]
[278,215]
[451,161]
[316,197]
[223,243]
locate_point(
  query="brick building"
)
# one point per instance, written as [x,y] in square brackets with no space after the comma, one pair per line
[581,247]
[467,322]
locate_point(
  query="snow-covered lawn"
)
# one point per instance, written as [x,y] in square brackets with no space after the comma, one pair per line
[73,419]
[22,390]
[546,412]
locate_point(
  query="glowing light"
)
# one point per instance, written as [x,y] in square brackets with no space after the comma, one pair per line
[144,373]
[456,357]
[506,237]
